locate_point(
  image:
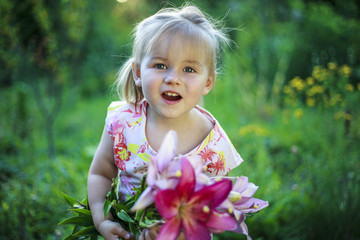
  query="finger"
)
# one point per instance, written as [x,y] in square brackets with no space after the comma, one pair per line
[147,235]
[152,233]
[122,232]
[142,235]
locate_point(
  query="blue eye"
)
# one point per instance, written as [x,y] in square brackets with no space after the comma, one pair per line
[189,70]
[160,66]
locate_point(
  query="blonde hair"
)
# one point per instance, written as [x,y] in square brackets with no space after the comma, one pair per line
[188,21]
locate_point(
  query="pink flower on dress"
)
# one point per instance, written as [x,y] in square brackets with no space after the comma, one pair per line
[207,154]
[122,151]
[142,148]
[217,130]
[217,166]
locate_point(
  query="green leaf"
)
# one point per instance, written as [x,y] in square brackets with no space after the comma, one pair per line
[85,201]
[129,204]
[70,237]
[136,232]
[94,238]
[81,211]
[139,214]
[107,207]
[76,229]
[143,183]
[120,207]
[71,201]
[89,231]
[78,220]
[124,216]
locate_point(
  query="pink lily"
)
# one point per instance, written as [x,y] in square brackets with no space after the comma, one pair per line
[194,211]
[241,201]
[163,171]
[243,197]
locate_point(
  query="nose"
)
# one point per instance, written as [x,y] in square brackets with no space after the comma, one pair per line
[172,77]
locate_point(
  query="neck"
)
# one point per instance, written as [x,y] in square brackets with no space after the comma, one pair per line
[191,129]
[157,128]
[166,124]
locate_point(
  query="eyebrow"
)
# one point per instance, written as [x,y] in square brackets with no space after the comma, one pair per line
[185,61]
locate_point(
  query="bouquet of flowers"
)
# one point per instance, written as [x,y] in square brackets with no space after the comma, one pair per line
[179,196]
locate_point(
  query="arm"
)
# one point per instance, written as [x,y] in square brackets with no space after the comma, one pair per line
[101,173]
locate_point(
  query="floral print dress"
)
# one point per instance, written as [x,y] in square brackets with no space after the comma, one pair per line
[125,124]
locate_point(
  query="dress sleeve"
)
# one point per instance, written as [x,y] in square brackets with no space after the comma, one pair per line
[113,115]
[231,156]
[233,159]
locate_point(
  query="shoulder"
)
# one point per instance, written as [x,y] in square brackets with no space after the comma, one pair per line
[123,108]
[116,104]
[121,112]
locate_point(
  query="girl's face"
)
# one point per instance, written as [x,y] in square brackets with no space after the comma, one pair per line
[173,77]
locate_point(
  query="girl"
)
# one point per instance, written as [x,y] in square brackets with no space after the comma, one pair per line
[172,66]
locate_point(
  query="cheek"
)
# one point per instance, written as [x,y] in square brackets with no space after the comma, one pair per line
[150,86]
[196,87]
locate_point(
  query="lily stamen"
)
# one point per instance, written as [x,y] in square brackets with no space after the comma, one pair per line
[206,209]
[234,196]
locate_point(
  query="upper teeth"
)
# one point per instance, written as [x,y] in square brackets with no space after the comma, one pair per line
[171,94]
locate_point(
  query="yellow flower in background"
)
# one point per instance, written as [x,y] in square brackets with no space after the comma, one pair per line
[342,115]
[345,70]
[288,90]
[339,115]
[298,113]
[322,88]
[315,90]
[253,128]
[347,116]
[310,81]
[332,66]
[317,73]
[310,102]
[297,83]
[349,87]
[335,99]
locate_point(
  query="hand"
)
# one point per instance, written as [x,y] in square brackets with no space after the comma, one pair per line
[149,233]
[113,231]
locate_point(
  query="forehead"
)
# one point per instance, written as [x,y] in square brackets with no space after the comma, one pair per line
[181,47]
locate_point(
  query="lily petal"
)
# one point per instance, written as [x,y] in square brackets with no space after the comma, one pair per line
[167,150]
[170,230]
[242,228]
[151,176]
[187,180]
[221,221]
[213,195]
[250,190]
[195,230]
[167,202]
[145,199]
[240,184]
[252,205]
[239,215]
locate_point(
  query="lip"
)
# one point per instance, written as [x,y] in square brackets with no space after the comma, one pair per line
[170,102]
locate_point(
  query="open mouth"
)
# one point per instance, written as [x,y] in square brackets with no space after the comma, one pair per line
[171,96]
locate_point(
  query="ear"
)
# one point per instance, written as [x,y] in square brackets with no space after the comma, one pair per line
[210,82]
[136,74]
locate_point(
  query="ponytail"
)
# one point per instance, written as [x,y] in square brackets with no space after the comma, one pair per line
[125,85]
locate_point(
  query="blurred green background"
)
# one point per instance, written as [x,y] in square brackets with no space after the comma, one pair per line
[288,97]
